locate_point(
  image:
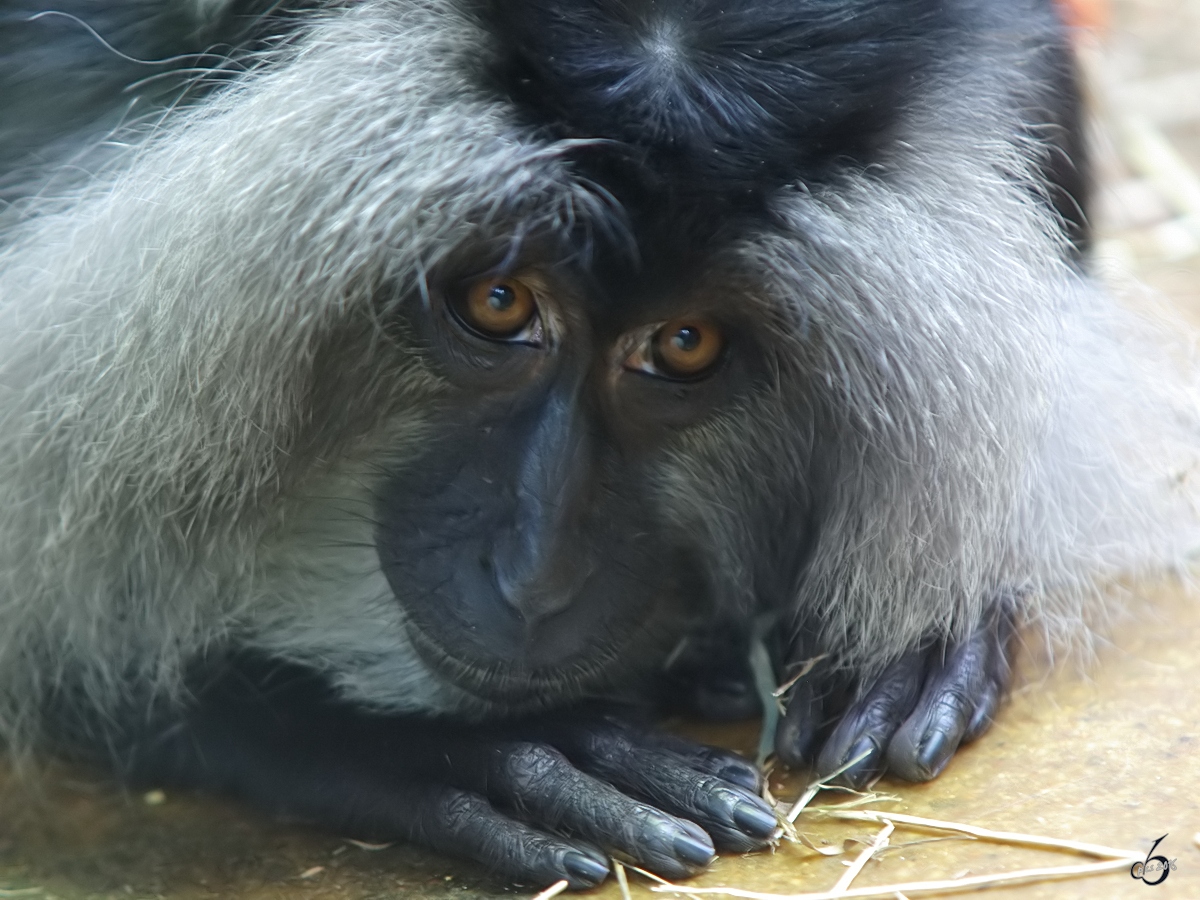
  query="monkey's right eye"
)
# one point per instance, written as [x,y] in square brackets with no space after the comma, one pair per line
[500,309]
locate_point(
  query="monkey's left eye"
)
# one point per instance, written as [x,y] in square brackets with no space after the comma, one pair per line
[498,309]
[683,349]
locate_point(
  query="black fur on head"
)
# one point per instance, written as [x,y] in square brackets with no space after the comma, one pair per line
[728,96]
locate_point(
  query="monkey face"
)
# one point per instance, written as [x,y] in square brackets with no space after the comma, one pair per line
[533,545]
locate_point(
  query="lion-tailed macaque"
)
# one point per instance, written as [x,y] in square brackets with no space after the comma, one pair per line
[398,395]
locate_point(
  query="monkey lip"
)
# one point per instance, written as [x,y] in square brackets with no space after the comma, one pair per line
[516,680]
[548,639]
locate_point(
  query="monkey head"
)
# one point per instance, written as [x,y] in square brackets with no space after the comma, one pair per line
[547,537]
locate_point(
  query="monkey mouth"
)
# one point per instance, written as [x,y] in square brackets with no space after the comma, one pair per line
[517,682]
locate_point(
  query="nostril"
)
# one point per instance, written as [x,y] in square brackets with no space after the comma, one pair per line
[536,587]
[508,583]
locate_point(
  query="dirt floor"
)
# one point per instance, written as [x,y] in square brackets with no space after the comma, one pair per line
[1108,757]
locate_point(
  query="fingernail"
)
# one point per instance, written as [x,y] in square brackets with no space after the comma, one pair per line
[861,746]
[935,753]
[754,818]
[692,850]
[858,774]
[583,869]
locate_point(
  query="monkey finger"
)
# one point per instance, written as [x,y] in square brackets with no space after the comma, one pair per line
[713,787]
[736,819]
[541,786]
[986,707]
[925,742]
[796,736]
[723,764]
[957,704]
[461,823]
[869,724]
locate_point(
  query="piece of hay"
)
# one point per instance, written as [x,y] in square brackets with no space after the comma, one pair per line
[917,887]
[622,879]
[553,891]
[1111,859]
[881,841]
[987,834]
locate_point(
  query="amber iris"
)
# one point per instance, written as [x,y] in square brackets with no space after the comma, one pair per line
[686,348]
[499,307]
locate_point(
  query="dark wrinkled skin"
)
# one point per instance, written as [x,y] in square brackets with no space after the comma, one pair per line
[909,721]
[912,719]
[537,800]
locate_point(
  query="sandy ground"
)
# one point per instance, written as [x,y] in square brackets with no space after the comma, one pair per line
[1110,756]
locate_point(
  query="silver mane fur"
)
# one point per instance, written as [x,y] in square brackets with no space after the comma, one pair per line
[197,394]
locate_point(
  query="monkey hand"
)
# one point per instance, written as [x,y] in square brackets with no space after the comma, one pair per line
[915,715]
[510,796]
[535,800]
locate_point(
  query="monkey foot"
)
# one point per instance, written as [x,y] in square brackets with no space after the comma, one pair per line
[913,718]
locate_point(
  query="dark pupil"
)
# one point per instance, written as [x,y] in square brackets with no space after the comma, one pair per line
[686,339]
[501,298]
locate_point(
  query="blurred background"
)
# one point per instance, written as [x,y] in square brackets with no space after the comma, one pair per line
[1141,60]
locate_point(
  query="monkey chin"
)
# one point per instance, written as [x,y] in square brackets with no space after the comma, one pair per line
[515,686]
[542,671]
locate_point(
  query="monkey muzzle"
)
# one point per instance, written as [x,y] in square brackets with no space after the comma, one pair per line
[526,575]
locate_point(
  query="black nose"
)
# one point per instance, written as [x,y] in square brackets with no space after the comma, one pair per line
[541,560]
